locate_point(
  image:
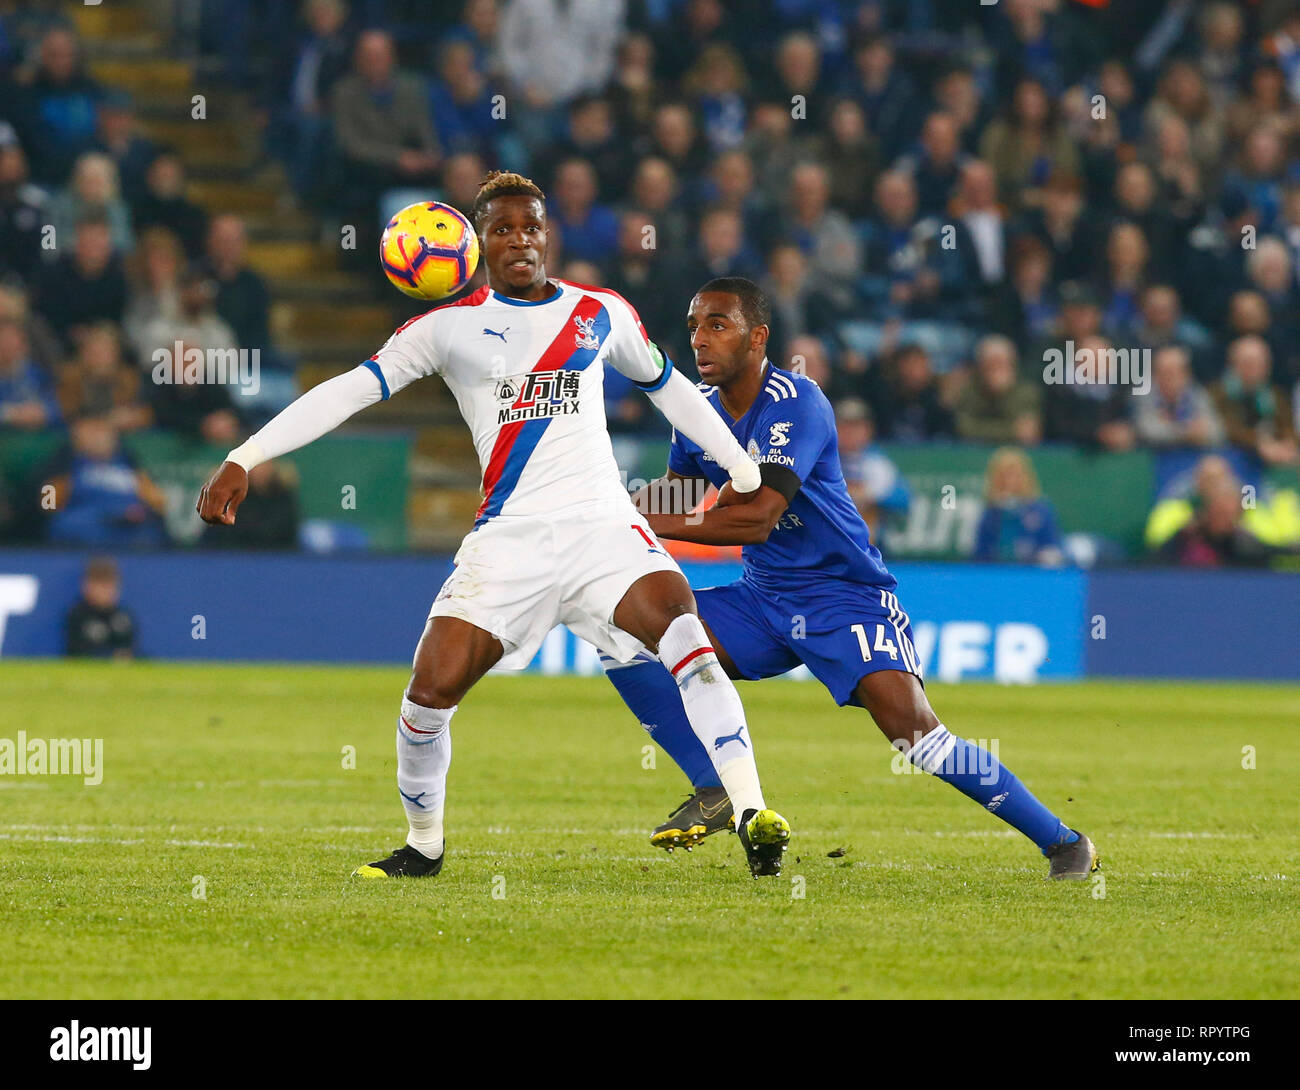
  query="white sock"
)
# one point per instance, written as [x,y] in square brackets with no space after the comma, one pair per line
[423,757]
[714,709]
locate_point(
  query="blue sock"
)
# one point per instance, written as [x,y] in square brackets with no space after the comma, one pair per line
[979,775]
[650,691]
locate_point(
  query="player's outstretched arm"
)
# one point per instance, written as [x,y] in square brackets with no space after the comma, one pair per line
[671,494]
[689,412]
[320,410]
[736,519]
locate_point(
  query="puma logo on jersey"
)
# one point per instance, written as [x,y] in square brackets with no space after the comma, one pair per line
[493,333]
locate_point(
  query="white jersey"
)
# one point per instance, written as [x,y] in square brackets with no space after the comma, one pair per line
[529,380]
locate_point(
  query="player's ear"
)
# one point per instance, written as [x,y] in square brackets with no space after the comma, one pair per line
[758,337]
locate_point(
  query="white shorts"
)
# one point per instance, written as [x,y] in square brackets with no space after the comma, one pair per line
[517,577]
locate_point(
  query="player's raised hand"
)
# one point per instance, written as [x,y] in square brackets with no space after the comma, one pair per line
[220,498]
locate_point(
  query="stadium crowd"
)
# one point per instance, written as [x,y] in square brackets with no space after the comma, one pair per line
[934,194]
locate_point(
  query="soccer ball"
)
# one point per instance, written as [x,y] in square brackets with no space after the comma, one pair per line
[429,250]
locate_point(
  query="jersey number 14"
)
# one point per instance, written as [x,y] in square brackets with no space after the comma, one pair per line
[883,642]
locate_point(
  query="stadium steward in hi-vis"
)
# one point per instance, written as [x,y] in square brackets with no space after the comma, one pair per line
[833,465]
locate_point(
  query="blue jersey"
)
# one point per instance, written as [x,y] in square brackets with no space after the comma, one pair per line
[791,424]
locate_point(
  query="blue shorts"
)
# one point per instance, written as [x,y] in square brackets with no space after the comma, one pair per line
[841,631]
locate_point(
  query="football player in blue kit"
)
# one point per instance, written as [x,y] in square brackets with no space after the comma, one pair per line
[814,589]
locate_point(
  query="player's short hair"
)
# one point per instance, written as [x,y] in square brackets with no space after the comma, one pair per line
[502,183]
[754,306]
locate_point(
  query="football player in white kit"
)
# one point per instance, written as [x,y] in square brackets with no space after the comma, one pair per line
[557,539]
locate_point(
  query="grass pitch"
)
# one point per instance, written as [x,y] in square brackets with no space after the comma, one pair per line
[229,782]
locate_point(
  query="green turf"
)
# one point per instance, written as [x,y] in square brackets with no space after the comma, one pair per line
[235,774]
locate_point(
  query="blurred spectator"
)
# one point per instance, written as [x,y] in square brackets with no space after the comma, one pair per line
[638,273]
[118,136]
[1093,410]
[43,344]
[1127,257]
[1222,49]
[592,136]
[184,403]
[102,499]
[194,321]
[1216,258]
[694,25]
[936,165]
[22,209]
[1265,104]
[1183,494]
[774,149]
[1161,322]
[675,137]
[982,222]
[996,407]
[1181,93]
[99,383]
[1177,172]
[1270,272]
[1215,536]
[1058,222]
[155,290]
[875,485]
[1137,201]
[589,229]
[56,110]
[92,192]
[301,84]
[716,84]
[164,204]
[384,131]
[905,397]
[1177,412]
[1258,174]
[1018,524]
[897,276]
[268,517]
[1256,414]
[553,51]
[655,192]
[462,174]
[731,185]
[796,74]
[1028,145]
[1026,309]
[958,94]
[1249,313]
[797,308]
[723,249]
[886,92]
[634,91]
[97,625]
[242,301]
[1115,82]
[851,155]
[461,102]
[85,286]
[807,356]
[480,26]
[27,400]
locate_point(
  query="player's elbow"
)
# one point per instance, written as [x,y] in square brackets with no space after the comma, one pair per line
[759,524]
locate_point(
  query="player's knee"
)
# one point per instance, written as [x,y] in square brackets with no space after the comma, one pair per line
[430,693]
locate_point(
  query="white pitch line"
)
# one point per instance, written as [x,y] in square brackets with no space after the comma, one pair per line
[124,841]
